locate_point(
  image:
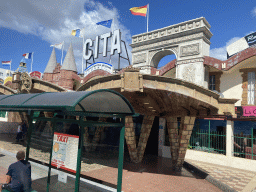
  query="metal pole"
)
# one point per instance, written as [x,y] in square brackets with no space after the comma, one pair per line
[147,16]
[83,56]
[79,154]
[120,159]
[32,60]
[62,53]
[30,120]
[209,136]
[50,161]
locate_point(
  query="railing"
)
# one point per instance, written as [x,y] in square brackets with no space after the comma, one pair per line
[2,114]
[245,146]
[208,141]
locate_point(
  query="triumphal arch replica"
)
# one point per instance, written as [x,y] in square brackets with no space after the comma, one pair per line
[181,95]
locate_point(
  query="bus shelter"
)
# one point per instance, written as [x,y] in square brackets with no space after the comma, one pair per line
[99,103]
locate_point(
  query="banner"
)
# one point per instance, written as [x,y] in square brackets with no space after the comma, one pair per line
[36,74]
[7,79]
[1,81]
[99,66]
[64,151]
[241,44]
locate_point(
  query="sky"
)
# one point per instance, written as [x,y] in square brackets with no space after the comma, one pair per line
[33,25]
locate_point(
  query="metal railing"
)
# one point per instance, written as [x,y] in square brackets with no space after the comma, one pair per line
[208,141]
[245,146]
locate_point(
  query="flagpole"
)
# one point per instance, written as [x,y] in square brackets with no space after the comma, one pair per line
[11,66]
[62,53]
[147,16]
[82,56]
[32,60]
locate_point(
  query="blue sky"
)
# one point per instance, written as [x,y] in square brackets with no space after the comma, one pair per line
[33,25]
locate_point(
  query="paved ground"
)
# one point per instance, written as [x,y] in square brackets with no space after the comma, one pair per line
[237,179]
[153,174]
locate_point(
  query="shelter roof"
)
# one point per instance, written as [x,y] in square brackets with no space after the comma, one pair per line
[88,102]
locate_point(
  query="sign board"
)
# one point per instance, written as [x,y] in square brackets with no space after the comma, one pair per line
[36,74]
[241,44]
[64,151]
[7,79]
[99,66]
[249,111]
[115,45]
[1,81]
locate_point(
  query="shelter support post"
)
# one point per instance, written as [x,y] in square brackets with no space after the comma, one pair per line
[186,127]
[79,154]
[50,161]
[120,159]
[30,124]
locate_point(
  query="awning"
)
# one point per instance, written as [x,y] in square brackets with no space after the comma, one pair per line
[90,102]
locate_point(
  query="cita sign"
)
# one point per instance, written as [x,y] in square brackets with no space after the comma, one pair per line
[115,45]
[99,66]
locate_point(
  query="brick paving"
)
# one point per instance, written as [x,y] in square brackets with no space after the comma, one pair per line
[151,175]
[238,179]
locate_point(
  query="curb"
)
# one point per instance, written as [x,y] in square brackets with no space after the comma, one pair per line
[204,175]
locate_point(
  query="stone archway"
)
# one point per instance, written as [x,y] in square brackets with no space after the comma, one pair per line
[156,56]
[189,41]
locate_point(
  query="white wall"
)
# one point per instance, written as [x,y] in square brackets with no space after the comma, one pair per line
[231,86]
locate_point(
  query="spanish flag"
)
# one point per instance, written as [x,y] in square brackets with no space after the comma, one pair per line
[142,11]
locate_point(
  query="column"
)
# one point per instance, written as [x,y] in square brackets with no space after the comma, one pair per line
[161,138]
[187,124]
[96,137]
[145,131]
[172,126]
[230,139]
[130,138]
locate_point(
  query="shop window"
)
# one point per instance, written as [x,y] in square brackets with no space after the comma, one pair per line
[212,82]
[251,85]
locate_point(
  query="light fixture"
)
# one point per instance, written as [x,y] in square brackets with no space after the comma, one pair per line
[146,103]
[150,107]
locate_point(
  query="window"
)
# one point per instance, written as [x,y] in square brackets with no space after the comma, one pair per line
[1,74]
[251,84]
[212,82]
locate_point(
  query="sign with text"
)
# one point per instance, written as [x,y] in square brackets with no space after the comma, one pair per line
[115,45]
[249,111]
[99,66]
[64,151]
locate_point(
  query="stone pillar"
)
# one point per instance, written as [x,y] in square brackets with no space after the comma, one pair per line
[186,127]
[131,139]
[145,131]
[172,126]
[96,137]
[86,140]
[230,138]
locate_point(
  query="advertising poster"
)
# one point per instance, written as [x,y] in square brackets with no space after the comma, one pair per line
[64,151]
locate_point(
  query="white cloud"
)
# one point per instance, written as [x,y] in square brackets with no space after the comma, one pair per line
[53,21]
[221,52]
[254,12]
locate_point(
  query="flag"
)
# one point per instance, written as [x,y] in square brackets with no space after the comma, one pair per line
[106,23]
[76,32]
[142,11]
[58,46]
[27,55]
[6,62]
